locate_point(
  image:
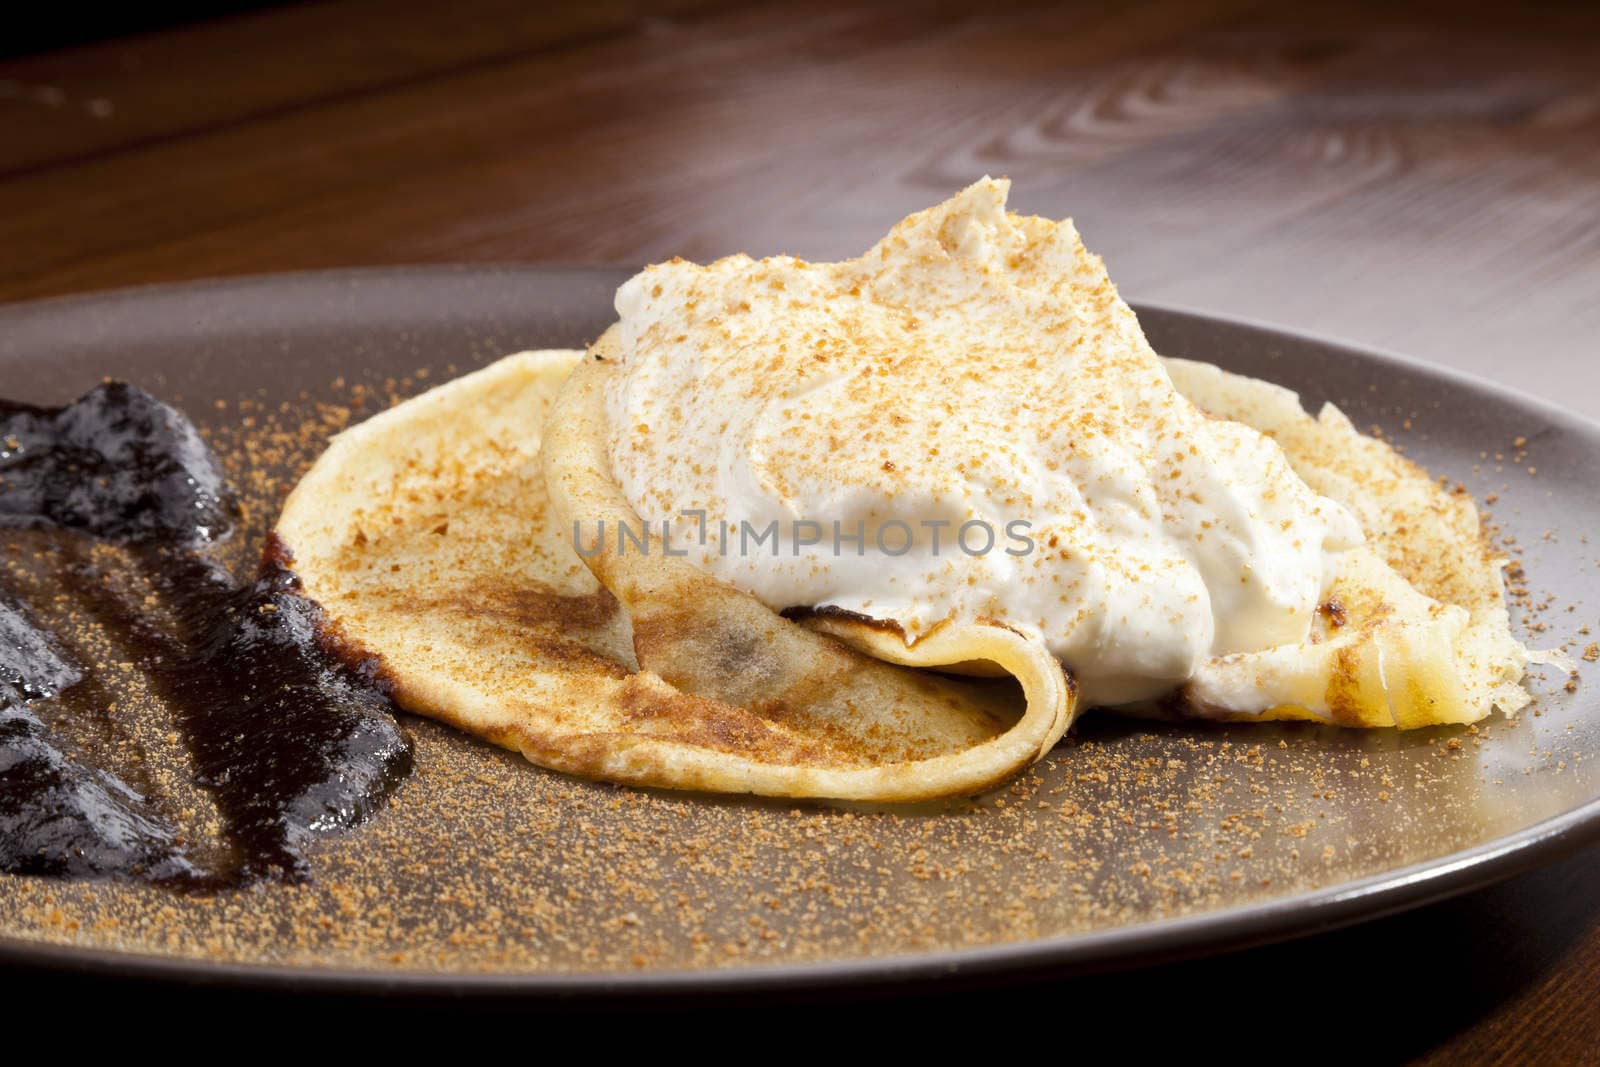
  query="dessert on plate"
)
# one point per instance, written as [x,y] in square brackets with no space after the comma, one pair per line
[881,529]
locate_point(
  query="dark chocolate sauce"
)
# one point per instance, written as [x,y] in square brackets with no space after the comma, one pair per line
[32,665]
[58,816]
[290,740]
[293,742]
[117,463]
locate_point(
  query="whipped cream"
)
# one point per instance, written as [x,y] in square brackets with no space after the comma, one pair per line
[973,375]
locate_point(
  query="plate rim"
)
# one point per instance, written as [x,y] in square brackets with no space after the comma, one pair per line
[1122,948]
[1141,944]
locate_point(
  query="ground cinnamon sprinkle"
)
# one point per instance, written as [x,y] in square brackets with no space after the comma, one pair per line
[485,863]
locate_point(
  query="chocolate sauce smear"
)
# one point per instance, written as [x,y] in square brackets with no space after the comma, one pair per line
[58,816]
[32,665]
[116,463]
[290,741]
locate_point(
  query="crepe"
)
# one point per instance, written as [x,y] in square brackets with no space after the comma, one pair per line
[427,536]
[459,540]
[1414,630]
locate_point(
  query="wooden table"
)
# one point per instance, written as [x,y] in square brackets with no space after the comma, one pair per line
[1424,178]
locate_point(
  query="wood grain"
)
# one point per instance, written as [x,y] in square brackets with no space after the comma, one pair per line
[1424,177]
[1379,174]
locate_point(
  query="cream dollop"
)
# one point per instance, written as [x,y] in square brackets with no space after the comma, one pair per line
[964,422]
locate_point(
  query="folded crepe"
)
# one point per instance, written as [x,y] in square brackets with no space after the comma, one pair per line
[429,538]
[1207,548]
[1413,630]
[438,538]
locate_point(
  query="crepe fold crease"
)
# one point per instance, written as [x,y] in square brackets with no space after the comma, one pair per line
[437,537]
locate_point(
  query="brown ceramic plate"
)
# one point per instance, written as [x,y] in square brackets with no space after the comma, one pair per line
[1132,842]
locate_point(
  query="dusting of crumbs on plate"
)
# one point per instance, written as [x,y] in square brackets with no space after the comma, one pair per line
[484,863]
